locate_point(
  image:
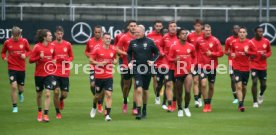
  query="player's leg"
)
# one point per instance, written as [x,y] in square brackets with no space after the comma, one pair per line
[203,82]
[179,81]
[126,89]
[262,77]
[139,94]
[98,91]
[159,84]
[146,83]
[13,84]
[211,80]
[56,96]
[233,85]
[108,97]
[49,84]
[239,90]
[188,85]
[254,89]
[39,89]
[21,82]
[169,90]
[196,90]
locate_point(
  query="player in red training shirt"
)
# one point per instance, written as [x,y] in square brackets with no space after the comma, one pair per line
[104,58]
[157,36]
[43,56]
[192,38]
[209,50]
[63,55]
[18,50]
[242,49]
[122,47]
[167,41]
[92,43]
[184,56]
[227,49]
[258,65]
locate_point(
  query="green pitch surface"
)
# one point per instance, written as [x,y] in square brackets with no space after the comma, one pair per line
[225,119]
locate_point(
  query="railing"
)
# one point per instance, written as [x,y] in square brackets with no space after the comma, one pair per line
[73,7]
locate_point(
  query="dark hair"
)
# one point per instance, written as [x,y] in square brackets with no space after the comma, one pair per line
[258,27]
[242,27]
[131,21]
[59,28]
[106,33]
[98,26]
[179,31]
[41,34]
[198,21]
[157,21]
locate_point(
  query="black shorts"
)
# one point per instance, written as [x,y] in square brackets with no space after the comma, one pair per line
[210,74]
[126,73]
[62,83]
[103,84]
[161,73]
[241,76]
[92,76]
[261,74]
[142,80]
[154,72]
[18,76]
[47,82]
[181,78]
[170,76]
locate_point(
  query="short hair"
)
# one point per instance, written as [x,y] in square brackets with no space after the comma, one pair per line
[98,26]
[131,21]
[16,31]
[198,21]
[106,33]
[258,27]
[207,26]
[242,27]
[40,34]
[179,31]
[142,27]
[157,21]
[59,28]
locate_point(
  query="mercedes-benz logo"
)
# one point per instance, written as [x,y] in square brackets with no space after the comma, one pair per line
[269,31]
[81,32]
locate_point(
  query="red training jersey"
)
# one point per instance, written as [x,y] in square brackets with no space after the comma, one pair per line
[187,55]
[90,46]
[263,48]
[157,37]
[123,45]
[167,41]
[44,66]
[241,59]
[227,49]
[15,49]
[117,38]
[101,54]
[63,54]
[204,45]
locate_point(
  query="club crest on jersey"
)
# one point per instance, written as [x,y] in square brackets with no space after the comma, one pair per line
[188,50]
[211,45]
[134,45]
[20,46]
[52,50]
[264,46]
[111,54]
[65,49]
[145,45]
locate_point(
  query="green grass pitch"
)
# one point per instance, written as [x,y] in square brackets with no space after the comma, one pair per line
[225,119]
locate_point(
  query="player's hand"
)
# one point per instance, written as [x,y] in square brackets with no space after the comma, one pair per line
[41,55]
[104,63]
[23,56]
[130,65]
[5,59]
[227,53]
[208,53]
[124,53]
[151,63]
[115,61]
[233,55]
[263,56]
[246,49]
[177,58]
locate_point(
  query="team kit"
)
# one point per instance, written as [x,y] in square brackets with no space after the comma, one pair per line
[177,62]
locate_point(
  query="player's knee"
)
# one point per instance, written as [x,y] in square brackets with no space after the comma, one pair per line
[47,95]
